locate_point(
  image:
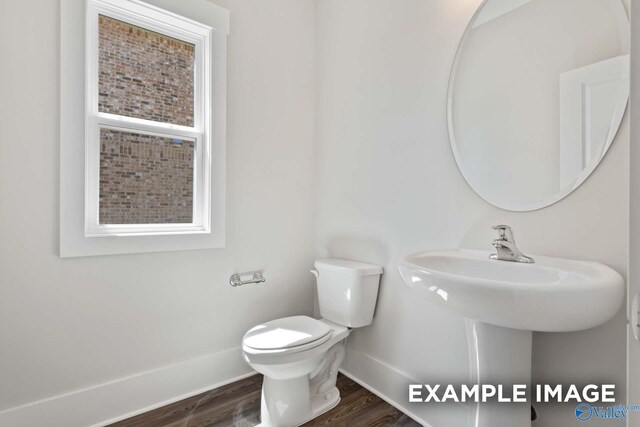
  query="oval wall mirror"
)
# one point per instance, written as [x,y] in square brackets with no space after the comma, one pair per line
[537,93]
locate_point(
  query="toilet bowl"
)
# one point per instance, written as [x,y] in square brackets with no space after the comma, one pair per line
[299,378]
[299,356]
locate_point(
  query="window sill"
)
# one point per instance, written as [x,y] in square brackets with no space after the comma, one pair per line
[138,233]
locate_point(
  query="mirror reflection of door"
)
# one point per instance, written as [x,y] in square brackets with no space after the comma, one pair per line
[588,96]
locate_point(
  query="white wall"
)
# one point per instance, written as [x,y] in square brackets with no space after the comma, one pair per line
[388,185]
[633,350]
[75,323]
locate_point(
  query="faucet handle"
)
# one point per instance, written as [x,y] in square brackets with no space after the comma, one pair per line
[504,232]
[506,246]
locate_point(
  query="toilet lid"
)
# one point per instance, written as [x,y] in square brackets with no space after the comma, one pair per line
[285,333]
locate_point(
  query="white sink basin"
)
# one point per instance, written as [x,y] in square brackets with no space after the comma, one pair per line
[552,295]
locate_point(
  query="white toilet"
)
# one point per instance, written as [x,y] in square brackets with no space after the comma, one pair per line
[300,356]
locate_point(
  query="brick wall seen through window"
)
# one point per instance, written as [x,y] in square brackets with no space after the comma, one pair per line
[143,74]
[145,179]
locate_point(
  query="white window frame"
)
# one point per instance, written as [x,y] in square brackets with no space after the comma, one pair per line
[73,238]
[166,23]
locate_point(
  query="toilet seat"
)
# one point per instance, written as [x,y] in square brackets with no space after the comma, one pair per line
[287,333]
[321,335]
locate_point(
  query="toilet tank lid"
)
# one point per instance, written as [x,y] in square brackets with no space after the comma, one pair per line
[344,266]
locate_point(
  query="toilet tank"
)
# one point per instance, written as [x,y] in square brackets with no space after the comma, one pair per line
[347,291]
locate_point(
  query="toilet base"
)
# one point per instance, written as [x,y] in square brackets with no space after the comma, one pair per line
[290,402]
[319,404]
[323,403]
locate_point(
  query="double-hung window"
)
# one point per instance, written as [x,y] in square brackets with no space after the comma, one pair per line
[147,121]
[142,126]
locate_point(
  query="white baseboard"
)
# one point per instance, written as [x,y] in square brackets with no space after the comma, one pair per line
[122,398]
[380,379]
[392,385]
[126,397]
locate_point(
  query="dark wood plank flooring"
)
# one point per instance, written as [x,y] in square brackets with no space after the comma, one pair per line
[238,405]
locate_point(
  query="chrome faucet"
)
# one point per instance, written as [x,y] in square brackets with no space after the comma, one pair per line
[505,244]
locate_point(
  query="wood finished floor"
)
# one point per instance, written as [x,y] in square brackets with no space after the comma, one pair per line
[238,405]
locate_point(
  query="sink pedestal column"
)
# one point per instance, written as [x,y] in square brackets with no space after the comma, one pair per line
[500,356]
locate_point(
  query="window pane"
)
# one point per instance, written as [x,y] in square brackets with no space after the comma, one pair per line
[145,179]
[144,74]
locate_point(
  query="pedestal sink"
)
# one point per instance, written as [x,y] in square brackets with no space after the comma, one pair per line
[503,302]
